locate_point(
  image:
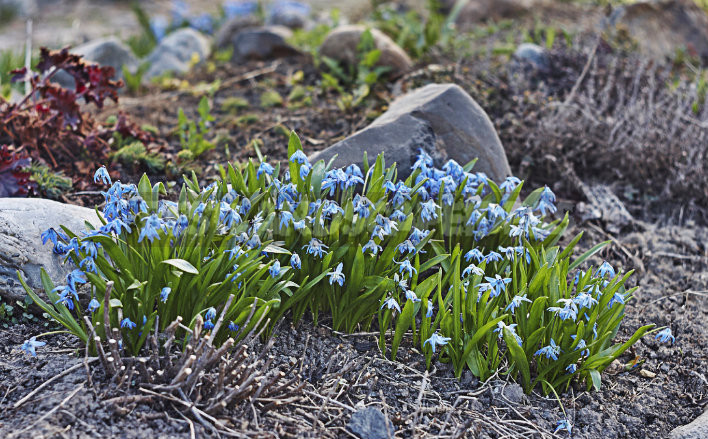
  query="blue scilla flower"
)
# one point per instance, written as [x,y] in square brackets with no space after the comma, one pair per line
[417,235]
[245,206]
[337,275]
[152,225]
[616,298]
[362,206]
[423,161]
[285,219]
[498,284]
[93,305]
[581,346]
[665,335]
[330,208]
[208,325]
[508,252]
[564,424]
[546,202]
[475,254]
[88,264]
[410,295]
[472,269]
[606,270]
[127,323]
[295,261]
[398,216]
[584,300]
[180,226]
[335,178]
[233,327]
[89,248]
[401,194]
[210,313]
[299,157]
[406,247]
[571,368]
[406,267]
[254,241]
[435,340]
[256,222]
[165,294]
[305,171]
[429,309]
[264,168]
[550,351]
[569,310]
[387,224]
[136,205]
[516,302]
[102,176]
[512,328]
[493,257]
[315,248]
[275,269]
[231,218]
[50,235]
[391,304]
[509,184]
[429,210]
[354,170]
[76,277]
[115,226]
[454,170]
[495,211]
[30,346]
[299,225]
[372,247]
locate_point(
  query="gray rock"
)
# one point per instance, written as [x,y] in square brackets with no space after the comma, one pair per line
[370,423]
[341,44]
[604,205]
[442,119]
[475,11]
[662,27]
[262,43]
[533,54]
[104,51]
[698,429]
[291,14]
[177,52]
[231,28]
[22,220]
[513,393]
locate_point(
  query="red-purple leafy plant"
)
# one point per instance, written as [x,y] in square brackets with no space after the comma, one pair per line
[49,124]
[14,176]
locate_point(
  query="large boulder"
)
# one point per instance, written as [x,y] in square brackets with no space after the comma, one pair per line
[22,221]
[261,43]
[178,52]
[442,119]
[660,28]
[342,45]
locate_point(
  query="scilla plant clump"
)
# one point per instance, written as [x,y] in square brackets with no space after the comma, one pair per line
[473,273]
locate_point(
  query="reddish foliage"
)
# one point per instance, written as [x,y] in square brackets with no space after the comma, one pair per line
[49,125]
[14,177]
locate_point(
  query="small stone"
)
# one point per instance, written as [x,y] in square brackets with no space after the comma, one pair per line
[178,52]
[261,43]
[342,45]
[104,51]
[291,14]
[534,55]
[647,373]
[370,423]
[513,393]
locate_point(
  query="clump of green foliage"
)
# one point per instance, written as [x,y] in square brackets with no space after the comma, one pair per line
[360,246]
[49,184]
[192,135]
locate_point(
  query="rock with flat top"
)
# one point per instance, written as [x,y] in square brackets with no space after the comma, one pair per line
[22,221]
[698,429]
[442,119]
